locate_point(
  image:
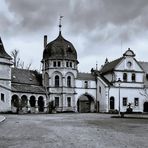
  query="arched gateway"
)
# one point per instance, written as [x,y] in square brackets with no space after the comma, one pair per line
[85,104]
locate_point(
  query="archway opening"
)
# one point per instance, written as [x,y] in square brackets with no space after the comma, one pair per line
[145,106]
[32,101]
[15,103]
[23,101]
[41,104]
[112,103]
[85,104]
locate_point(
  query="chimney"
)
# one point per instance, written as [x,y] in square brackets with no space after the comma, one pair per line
[45,40]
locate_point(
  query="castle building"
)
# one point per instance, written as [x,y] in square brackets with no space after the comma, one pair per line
[60,85]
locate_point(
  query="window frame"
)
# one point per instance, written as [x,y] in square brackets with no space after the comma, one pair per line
[57,81]
[124,101]
[69,102]
[124,77]
[136,101]
[57,101]
[133,77]
[69,81]
[2,97]
[54,64]
[85,84]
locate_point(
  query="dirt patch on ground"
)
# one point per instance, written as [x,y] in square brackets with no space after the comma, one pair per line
[72,131]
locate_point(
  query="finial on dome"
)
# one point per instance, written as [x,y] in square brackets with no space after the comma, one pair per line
[60,24]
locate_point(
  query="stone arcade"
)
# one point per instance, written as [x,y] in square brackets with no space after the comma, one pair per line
[71,91]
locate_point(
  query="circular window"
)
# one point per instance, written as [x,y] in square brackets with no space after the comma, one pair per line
[129,64]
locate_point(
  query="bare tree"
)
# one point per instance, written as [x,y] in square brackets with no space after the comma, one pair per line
[15,56]
[17,62]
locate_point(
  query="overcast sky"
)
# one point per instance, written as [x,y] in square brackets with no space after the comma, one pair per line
[98,29]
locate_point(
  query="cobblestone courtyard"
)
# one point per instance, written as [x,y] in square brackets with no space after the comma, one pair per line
[72,131]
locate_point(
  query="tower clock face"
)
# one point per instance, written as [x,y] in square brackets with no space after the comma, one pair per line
[129,64]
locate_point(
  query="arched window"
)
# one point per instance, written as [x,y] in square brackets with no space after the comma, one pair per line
[112,103]
[133,77]
[124,76]
[57,81]
[69,81]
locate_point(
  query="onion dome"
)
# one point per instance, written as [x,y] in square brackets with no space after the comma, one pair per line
[60,49]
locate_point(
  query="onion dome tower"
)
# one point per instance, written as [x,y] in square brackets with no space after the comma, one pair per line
[59,66]
[5,79]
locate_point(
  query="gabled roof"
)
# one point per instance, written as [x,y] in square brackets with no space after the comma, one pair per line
[3,53]
[129,52]
[110,66]
[85,76]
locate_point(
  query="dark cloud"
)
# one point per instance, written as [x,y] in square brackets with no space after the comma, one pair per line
[81,16]
[5,23]
[97,22]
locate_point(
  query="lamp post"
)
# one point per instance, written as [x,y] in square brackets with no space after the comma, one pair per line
[119,83]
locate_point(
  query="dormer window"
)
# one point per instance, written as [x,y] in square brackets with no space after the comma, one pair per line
[85,84]
[125,77]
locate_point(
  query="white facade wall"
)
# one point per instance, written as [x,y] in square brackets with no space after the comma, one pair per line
[130,94]
[81,90]
[5,85]
[102,96]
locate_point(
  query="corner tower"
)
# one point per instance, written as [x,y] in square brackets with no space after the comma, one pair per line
[59,66]
[5,79]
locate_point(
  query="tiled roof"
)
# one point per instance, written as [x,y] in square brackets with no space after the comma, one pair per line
[3,53]
[27,81]
[85,76]
[25,88]
[108,67]
[24,76]
[97,73]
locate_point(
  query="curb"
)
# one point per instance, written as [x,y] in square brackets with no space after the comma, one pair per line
[2,119]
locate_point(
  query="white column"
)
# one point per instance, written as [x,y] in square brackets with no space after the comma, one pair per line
[45,105]
[36,106]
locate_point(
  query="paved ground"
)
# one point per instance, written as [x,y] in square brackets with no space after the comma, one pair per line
[72,131]
[2,118]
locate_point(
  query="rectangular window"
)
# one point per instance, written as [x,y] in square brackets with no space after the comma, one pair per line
[100,89]
[2,97]
[54,64]
[59,64]
[69,101]
[85,84]
[124,101]
[56,101]
[136,101]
